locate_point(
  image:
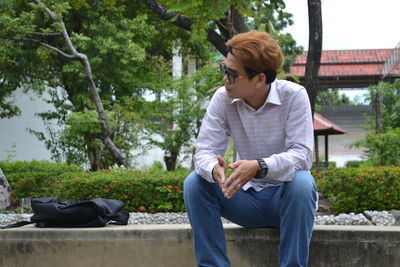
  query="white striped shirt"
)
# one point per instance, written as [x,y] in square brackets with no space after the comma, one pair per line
[280,132]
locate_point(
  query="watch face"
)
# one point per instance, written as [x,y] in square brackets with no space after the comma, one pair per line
[263,173]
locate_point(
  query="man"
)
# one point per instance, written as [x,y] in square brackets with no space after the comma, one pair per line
[271,186]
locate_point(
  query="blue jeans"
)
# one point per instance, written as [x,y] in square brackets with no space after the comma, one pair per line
[290,207]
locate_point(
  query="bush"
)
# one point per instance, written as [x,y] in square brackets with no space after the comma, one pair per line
[36,166]
[140,191]
[331,164]
[34,178]
[354,163]
[153,190]
[360,189]
[382,149]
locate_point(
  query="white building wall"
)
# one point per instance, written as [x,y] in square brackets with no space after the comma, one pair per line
[13,131]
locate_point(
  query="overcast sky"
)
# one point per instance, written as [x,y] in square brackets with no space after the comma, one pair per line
[350,24]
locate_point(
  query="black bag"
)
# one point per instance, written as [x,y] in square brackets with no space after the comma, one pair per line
[53,212]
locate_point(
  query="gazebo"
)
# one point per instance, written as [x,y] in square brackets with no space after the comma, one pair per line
[323,126]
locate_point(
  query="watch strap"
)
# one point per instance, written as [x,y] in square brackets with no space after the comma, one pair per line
[263,171]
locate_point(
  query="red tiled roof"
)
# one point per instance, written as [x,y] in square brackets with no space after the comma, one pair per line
[342,70]
[324,126]
[368,62]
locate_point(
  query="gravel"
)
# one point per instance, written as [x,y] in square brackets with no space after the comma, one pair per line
[378,218]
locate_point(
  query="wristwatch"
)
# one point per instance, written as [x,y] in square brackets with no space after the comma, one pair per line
[263,170]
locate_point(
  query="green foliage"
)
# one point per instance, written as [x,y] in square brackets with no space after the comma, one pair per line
[176,116]
[390,103]
[140,191]
[114,36]
[331,97]
[331,164]
[360,189]
[153,190]
[16,167]
[271,17]
[11,152]
[34,178]
[354,163]
[122,42]
[382,149]
[79,141]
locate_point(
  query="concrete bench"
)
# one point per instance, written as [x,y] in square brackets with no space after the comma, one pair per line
[171,245]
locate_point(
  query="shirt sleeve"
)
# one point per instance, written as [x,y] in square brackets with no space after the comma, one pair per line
[212,140]
[299,142]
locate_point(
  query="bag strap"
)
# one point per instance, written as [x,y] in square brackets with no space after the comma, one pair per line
[15,225]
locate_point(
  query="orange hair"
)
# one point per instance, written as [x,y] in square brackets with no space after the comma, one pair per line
[258,51]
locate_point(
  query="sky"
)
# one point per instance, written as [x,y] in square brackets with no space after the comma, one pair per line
[349,24]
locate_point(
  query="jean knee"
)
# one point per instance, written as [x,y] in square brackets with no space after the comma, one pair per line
[302,185]
[191,184]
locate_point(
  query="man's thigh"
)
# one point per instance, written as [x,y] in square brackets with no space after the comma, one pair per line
[252,209]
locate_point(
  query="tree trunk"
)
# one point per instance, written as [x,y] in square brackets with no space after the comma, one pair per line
[314,50]
[378,113]
[94,155]
[105,132]
[5,192]
[170,161]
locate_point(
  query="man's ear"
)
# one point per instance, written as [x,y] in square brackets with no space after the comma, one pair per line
[261,80]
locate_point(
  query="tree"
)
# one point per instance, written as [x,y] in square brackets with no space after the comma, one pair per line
[331,97]
[383,145]
[225,19]
[388,105]
[382,149]
[105,32]
[105,130]
[173,121]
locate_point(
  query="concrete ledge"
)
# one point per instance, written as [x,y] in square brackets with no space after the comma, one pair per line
[171,245]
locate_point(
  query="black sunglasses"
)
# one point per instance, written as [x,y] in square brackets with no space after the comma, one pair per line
[229,73]
[232,75]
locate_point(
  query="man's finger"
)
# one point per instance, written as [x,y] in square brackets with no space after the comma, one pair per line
[232,178]
[221,161]
[232,189]
[236,164]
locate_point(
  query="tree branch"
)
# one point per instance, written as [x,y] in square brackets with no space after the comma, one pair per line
[40,43]
[63,28]
[176,19]
[185,23]
[44,34]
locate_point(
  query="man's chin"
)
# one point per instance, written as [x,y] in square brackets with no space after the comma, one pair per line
[230,94]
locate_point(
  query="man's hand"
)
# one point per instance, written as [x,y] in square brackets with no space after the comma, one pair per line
[219,172]
[245,170]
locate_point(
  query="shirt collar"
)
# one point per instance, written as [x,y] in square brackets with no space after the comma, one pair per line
[272,98]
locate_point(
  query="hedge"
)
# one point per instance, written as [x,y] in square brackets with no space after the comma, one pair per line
[37,166]
[360,189]
[147,191]
[140,191]
[34,178]
[349,189]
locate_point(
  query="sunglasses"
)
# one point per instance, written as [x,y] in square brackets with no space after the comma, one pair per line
[232,75]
